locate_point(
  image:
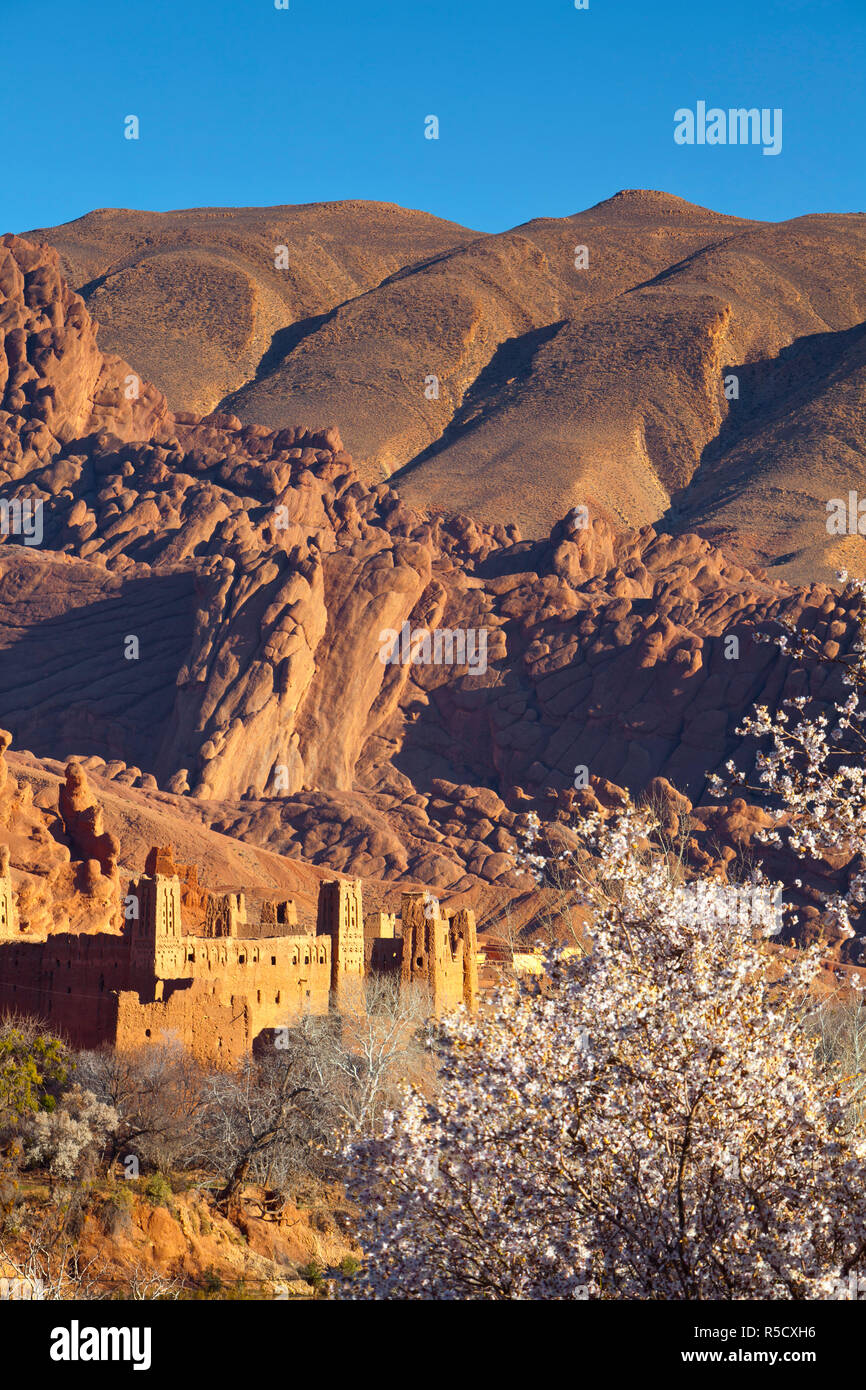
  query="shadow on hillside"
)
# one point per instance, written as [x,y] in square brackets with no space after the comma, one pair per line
[497,383]
[66,684]
[770,391]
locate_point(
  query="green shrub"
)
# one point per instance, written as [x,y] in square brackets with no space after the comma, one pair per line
[313,1273]
[157,1190]
[33,1070]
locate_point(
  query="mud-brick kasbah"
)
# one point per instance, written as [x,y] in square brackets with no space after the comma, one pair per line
[222,984]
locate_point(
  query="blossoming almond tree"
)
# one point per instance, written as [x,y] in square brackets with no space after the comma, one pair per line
[649,1124]
[812,767]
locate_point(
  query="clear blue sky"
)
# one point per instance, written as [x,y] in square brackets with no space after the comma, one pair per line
[543,109]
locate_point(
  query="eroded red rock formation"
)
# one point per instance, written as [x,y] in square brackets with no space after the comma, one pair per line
[205,616]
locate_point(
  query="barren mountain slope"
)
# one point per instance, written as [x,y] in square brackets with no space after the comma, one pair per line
[194,299]
[472,319]
[625,404]
[648,358]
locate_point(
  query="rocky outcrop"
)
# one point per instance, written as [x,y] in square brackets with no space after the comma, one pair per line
[83,822]
[205,618]
[55,386]
[60,885]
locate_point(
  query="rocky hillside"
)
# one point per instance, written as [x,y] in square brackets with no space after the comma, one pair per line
[654,360]
[203,622]
[205,301]
[148,1239]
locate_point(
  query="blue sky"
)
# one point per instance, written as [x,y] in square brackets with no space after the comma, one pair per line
[543,109]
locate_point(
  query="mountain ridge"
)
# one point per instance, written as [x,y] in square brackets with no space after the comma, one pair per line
[511,375]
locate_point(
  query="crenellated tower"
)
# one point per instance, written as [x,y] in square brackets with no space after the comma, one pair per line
[157,930]
[341,917]
[440,953]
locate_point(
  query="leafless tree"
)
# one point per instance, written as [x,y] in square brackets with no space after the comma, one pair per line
[364,1057]
[159,1096]
[147,1283]
[43,1255]
[256,1118]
